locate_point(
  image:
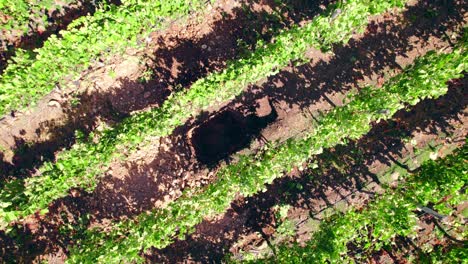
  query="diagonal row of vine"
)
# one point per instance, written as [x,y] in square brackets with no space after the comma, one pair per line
[389,216]
[31,75]
[19,17]
[18,13]
[427,78]
[285,229]
[84,162]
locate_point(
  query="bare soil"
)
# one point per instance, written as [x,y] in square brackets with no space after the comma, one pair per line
[111,90]
[346,176]
[280,107]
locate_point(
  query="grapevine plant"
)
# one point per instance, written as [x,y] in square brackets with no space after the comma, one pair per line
[425,79]
[85,161]
[19,13]
[390,215]
[111,29]
[451,255]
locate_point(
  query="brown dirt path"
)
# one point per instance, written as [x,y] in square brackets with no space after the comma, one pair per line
[346,175]
[110,90]
[158,174]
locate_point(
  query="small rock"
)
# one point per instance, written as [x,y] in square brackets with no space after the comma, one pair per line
[165,147]
[395,176]
[204,46]
[335,14]
[74,193]
[146,95]
[53,103]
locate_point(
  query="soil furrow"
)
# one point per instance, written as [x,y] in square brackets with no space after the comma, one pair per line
[346,175]
[172,165]
[173,60]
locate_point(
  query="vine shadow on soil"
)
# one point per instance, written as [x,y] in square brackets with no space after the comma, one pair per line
[178,65]
[79,205]
[375,52]
[346,175]
[174,67]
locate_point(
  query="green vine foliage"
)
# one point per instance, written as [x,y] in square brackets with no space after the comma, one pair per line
[21,13]
[31,75]
[389,216]
[425,79]
[85,161]
[451,255]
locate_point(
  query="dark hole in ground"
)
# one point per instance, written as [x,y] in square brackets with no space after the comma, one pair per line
[229,132]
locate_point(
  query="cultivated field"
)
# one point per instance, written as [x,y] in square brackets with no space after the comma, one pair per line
[233,131]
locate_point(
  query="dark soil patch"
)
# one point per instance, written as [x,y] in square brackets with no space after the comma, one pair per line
[220,136]
[226,133]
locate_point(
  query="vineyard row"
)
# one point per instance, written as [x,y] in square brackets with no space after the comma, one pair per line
[391,215]
[110,30]
[85,161]
[425,79]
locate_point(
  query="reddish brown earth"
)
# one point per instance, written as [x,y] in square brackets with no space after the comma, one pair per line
[287,103]
[174,58]
[346,176]
[171,164]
